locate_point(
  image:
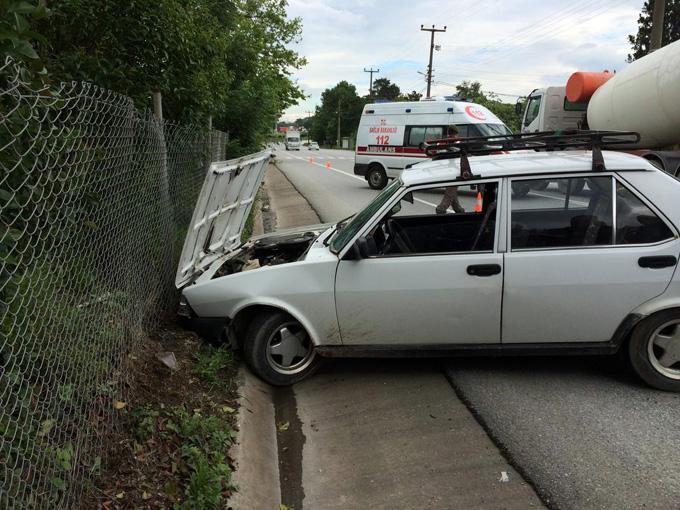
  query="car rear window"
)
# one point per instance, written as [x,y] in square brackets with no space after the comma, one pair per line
[579,211]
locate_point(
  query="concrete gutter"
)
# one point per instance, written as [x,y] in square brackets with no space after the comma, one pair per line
[255,454]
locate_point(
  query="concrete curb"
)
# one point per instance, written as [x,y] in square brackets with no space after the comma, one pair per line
[255,453]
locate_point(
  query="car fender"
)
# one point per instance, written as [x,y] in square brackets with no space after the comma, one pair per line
[304,289]
[670,298]
[317,337]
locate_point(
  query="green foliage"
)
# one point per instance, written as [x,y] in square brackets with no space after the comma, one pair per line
[201,444]
[212,362]
[640,42]
[17,40]
[411,96]
[504,111]
[383,88]
[226,59]
[342,98]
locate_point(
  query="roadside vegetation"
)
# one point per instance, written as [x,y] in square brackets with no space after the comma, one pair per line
[171,450]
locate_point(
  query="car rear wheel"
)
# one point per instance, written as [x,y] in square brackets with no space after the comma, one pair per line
[376,177]
[279,349]
[654,350]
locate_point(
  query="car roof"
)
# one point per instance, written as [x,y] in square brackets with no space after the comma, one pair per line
[520,163]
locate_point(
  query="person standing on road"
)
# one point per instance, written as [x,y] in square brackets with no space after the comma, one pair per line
[450,198]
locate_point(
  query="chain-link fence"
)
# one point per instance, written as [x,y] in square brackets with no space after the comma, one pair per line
[95,199]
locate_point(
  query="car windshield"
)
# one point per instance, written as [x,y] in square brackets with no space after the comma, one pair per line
[343,235]
[493,129]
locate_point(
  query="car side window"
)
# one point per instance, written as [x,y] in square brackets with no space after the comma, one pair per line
[450,219]
[561,213]
[419,134]
[636,223]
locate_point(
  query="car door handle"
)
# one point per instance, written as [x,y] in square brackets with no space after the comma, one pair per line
[484,270]
[658,262]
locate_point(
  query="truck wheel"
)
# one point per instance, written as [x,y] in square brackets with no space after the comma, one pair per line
[577,186]
[279,350]
[654,350]
[520,189]
[376,177]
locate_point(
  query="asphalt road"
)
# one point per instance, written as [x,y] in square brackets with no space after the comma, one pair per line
[584,431]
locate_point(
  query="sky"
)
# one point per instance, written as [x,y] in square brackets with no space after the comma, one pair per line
[510,46]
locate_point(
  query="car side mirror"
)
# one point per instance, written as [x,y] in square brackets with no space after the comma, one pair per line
[518,108]
[364,248]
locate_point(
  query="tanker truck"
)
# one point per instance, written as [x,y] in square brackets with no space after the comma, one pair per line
[644,97]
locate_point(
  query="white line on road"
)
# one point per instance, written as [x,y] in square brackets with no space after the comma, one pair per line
[561,199]
[355,177]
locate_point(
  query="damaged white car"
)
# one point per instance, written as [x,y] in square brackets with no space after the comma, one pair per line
[447,260]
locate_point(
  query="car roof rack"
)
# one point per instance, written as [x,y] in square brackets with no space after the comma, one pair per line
[545,140]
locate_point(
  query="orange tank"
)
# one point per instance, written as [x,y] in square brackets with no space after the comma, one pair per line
[581,86]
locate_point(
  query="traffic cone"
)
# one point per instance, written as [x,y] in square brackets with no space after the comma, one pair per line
[328,164]
[478,205]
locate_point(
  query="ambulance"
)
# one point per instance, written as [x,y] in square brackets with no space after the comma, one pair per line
[390,134]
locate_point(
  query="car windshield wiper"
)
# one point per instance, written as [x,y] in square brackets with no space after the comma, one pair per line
[341,224]
[338,227]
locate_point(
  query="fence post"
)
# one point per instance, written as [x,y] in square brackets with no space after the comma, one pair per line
[157,105]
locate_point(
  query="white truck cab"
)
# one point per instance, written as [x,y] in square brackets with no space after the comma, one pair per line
[390,134]
[549,110]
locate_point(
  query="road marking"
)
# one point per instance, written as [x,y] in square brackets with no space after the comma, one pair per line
[561,199]
[356,177]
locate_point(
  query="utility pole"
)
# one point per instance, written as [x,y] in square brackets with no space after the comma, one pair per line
[370,87]
[339,108]
[657,25]
[429,66]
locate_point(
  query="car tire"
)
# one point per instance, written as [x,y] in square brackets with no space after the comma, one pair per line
[648,344]
[376,177]
[520,189]
[265,333]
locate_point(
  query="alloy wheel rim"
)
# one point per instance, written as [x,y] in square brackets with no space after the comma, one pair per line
[375,178]
[663,349]
[289,349]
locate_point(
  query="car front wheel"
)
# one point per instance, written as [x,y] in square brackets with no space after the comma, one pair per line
[654,350]
[279,349]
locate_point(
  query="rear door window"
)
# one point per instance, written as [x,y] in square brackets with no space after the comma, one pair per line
[562,213]
[636,223]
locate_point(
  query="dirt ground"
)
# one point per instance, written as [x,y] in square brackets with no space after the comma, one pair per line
[170,450]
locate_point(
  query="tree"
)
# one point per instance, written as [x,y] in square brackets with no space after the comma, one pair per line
[504,111]
[226,59]
[342,98]
[640,42]
[411,96]
[383,88]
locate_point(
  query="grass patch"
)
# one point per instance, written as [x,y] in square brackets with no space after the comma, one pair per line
[212,362]
[178,426]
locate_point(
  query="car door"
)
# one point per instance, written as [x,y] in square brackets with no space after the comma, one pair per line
[446,289]
[579,262]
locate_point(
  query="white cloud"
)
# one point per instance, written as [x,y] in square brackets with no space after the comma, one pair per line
[509,46]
